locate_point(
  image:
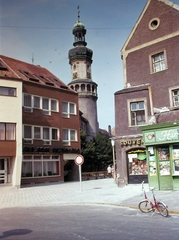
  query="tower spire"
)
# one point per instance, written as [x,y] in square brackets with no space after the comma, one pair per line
[78,8]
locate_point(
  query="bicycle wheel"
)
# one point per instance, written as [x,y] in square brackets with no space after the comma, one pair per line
[163,209]
[144,206]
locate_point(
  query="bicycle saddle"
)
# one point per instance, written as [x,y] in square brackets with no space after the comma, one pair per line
[151,188]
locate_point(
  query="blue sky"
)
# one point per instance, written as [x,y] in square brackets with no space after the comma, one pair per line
[43,28]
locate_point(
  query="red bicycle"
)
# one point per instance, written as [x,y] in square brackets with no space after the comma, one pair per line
[147,206]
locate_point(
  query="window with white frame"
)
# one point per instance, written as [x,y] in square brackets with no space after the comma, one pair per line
[40,166]
[158,62]
[40,133]
[68,136]
[137,113]
[55,134]
[7,91]
[7,131]
[27,134]
[68,108]
[37,102]
[47,105]
[37,132]
[175,97]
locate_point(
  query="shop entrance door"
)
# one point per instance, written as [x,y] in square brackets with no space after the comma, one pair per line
[3,170]
[164,165]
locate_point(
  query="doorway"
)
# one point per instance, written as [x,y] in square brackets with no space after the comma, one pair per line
[3,170]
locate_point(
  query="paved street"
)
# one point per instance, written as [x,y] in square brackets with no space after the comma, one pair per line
[101,191]
[86,222]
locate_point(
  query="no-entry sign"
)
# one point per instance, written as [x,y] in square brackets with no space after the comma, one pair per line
[79,159]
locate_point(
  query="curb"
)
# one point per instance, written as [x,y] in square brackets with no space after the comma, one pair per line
[122,205]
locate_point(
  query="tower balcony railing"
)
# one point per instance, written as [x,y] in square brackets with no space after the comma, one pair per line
[87,93]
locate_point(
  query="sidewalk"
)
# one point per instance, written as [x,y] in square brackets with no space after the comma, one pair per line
[101,191]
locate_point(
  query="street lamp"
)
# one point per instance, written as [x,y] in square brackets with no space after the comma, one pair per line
[113,144]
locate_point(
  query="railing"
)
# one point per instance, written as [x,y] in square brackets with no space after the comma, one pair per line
[94,175]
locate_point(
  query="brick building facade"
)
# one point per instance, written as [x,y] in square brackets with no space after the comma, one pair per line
[39,124]
[151,85]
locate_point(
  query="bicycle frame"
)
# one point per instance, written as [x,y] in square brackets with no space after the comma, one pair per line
[155,205]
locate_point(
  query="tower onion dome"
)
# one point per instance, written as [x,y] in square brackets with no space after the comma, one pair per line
[79,33]
[80,53]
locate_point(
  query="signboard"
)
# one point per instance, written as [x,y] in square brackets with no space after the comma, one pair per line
[160,136]
[79,159]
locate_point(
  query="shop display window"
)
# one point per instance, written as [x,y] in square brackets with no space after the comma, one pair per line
[163,154]
[164,163]
[164,168]
[137,164]
[152,168]
[175,153]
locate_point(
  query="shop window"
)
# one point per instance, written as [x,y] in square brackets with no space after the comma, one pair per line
[164,161]
[40,167]
[137,113]
[175,154]
[152,162]
[137,164]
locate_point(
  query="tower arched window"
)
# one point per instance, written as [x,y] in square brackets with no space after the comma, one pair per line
[88,88]
[93,88]
[76,88]
[72,87]
[82,87]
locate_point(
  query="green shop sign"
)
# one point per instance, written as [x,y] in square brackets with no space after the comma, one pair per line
[160,136]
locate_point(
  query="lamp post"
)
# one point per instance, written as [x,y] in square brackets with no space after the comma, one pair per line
[113,144]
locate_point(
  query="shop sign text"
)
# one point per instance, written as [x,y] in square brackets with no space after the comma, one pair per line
[132,142]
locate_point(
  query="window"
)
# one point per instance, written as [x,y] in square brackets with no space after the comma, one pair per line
[137,112]
[27,134]
[175,97]
[68,136]
[46,134]
[27,103]
[53,105]
[40,166]
[55,134]
[36,102]
[46,104]
[37,132]
[158,62]
[68,108]
[7,131]
[6,91]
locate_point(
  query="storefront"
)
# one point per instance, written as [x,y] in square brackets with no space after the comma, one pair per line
[134,166]
[162,143]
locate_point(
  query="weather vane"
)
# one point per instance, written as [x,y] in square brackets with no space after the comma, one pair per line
[78,13]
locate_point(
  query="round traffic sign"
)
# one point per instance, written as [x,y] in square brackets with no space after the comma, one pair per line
[79,159]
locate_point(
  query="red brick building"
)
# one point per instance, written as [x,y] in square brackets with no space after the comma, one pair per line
[46,134]
[151,85]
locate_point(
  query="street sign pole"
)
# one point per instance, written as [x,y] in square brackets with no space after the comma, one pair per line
[80,178]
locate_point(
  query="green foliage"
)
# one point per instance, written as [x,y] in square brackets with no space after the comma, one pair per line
[97,153]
